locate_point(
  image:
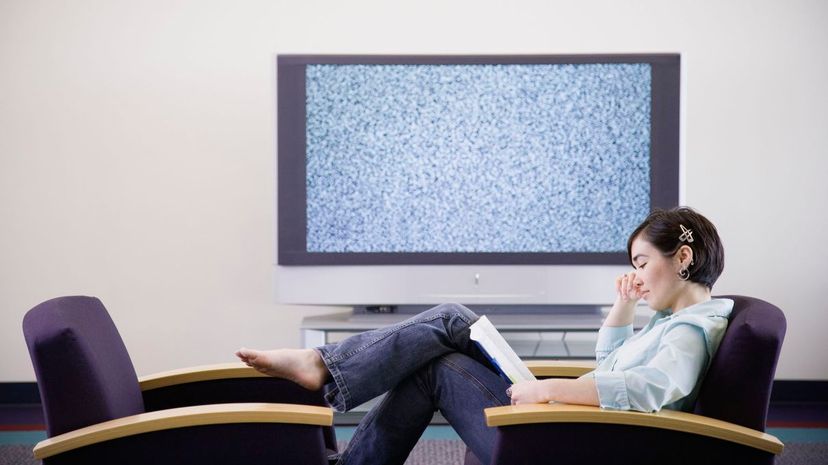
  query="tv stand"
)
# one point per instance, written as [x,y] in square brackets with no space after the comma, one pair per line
[534,331]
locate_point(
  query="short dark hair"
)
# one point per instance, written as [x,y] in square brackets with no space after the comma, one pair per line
[663,228]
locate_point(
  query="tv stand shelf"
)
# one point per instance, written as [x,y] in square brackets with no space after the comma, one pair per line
[533,336]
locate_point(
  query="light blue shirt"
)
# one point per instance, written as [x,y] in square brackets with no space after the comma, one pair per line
[662,365]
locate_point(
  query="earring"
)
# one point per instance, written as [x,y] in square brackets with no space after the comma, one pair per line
[684,275]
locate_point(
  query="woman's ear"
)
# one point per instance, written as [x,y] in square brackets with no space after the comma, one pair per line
[685,256]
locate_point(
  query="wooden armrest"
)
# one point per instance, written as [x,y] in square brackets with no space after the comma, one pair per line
[541,368]
[184,417]
[197,373]
[560,368]
[664,419]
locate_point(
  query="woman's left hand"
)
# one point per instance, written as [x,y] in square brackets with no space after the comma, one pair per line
[531,392]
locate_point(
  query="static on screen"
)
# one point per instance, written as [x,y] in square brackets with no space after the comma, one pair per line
[476,158]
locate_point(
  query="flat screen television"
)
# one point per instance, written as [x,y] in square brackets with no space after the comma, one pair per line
[481,179]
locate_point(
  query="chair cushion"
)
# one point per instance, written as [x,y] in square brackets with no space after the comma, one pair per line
[738,383]
[84,373]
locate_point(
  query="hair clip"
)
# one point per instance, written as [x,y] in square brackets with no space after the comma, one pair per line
[686,234]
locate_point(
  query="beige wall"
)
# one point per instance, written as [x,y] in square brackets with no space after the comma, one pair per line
[137,149]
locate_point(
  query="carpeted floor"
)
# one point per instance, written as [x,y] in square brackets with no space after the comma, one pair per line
[17,454]
[451,452]
[434,452]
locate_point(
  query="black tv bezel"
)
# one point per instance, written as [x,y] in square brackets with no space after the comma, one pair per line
[291,146]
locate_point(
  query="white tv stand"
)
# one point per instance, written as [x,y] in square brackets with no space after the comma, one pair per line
[550,335]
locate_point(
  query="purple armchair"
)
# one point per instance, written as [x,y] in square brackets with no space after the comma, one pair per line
[726,427]
[98,411]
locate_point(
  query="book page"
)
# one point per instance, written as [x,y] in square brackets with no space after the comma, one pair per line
[502,356]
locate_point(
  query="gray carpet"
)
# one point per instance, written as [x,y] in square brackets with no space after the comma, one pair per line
[432,452]
[804,453]
[16,454]
[451,452]
[426,452]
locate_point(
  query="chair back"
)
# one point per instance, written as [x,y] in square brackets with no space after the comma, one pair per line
[83,370]
[738,383]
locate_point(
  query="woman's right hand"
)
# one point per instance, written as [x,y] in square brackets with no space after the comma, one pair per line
[626,288]
[627,293]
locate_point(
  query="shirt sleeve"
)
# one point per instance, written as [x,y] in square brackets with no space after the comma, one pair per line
[668,377]
[611,338]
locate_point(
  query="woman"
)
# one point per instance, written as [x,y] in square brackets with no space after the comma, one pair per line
[428,362]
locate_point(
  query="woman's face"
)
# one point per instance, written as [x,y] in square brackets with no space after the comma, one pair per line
[656,276]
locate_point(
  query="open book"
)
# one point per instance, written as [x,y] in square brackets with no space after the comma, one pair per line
[507,362]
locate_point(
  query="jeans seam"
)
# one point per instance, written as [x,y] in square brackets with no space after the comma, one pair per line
[425,372]
[339,381]
[472,378]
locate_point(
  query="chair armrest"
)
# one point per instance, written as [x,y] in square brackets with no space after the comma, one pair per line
[184,417]
[540,368]
[560,368]
[198,373]
[664,419]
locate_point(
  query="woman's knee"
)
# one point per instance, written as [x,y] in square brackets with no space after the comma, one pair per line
[455,310]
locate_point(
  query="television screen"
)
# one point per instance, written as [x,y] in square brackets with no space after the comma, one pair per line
[472,160]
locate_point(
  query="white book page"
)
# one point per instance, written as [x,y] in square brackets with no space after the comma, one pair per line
[499,351]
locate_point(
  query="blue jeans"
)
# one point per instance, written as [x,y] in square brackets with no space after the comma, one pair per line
[425,363]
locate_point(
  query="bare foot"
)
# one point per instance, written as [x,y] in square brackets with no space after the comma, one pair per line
[302,366]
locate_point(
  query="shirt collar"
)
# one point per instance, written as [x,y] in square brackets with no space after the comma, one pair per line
[712,307]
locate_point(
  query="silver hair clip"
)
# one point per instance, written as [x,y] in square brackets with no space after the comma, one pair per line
[686,234]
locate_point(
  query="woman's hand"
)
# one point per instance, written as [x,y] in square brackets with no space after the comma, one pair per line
[628,292]
[627,289]
[530,392]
